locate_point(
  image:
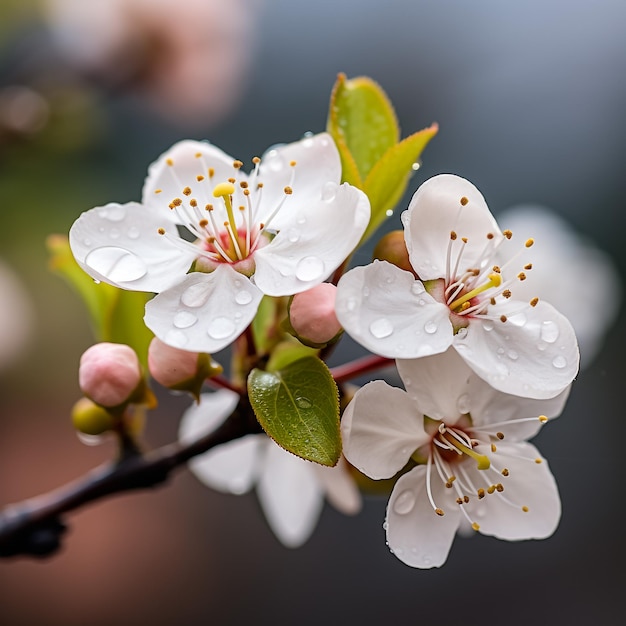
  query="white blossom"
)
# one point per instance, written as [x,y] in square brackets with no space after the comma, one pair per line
[460,448]
[458,296]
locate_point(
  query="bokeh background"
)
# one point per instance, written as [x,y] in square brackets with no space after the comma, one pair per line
[530,99]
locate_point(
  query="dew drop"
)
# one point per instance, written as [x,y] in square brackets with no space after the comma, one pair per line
[351,304]
[310,268]
[116,213]
[415,166]
[133,232]
[512,355]
[114,233]
[426,560]
[542,346]
[404,503]
[87,242]
[243,297]
[488,325]
[293,235]
[301,220]
[549,331]
[329,191]
[389,212]
[184,319]
[430,327]
[366,292]
[274,161]
[417,288]
[463,404]
[195,295]
[221,327]
[559,362]
[461,333]
[381,328]
[117,264]
[308,142]
[303,403]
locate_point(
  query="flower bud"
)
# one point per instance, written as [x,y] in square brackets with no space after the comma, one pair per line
[312,315]
[392,248]
[180,369]
[91,419]
[109,374]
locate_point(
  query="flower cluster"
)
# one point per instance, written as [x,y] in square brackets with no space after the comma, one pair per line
[482,365]
[482,372]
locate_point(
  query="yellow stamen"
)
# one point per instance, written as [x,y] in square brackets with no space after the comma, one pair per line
[481,459]
[495,280]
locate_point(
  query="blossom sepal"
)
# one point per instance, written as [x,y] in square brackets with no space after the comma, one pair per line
[298,407]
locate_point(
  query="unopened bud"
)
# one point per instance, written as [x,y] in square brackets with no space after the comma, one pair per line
[180,369]
[312,315]
[90,418]
[109,373]
[392,248]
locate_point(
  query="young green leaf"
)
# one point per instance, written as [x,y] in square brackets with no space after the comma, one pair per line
[298,407]
[363,124]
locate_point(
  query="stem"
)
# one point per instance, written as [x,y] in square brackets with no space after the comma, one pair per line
[341,373]
[34,527]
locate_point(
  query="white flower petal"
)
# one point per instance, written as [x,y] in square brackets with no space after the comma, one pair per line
[533,353]
[341,489]
[565,266]
[230,467]
[166,182]
[434,211]
[205,312]
[415,533]
[119,244]
[487,406]
[317,170]
[528,484]
[315,240]
[386,310]
[290,495]
[438,384]
[381,428]
[203,418]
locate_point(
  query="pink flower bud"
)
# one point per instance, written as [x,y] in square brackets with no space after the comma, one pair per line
[180,369]
[109,373]
[312,315]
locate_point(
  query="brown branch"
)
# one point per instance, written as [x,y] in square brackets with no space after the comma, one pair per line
[35,526]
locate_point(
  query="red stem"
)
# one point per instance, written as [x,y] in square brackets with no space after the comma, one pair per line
[341,373]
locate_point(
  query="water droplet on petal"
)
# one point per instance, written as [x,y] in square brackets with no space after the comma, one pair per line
[274,161]
[559,362]
[461,333]
[404,503]
[243,297]
[87,242]
[430,327]
[389,212]
[351,304]
[366,292]
[549,331]
[303,403]
[116,213]
[488,325]
[184,319]
[381,328]
[195,295]
[114,233]
[117,264]
[308,141]
[329,191]
[463,404]
[310,268]
[293,235]
[301,220]
[417,288]
[133,232]
[512,355]
[221,328]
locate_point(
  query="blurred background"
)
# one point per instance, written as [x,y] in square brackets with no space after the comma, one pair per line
[530,100]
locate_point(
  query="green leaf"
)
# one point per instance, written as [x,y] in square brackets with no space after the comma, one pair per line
[288,351]
[298,407]
[387,181]
[116,315]
[363,124]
